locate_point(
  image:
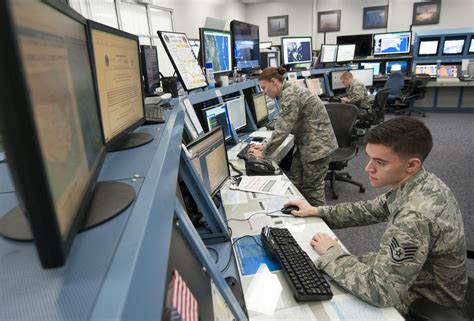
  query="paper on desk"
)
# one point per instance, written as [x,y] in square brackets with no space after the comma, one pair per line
[233,197]
[290,192]
[298,313]
[276,203]
[257,222]
[261,133]
[264,291]
[347,307]
[263,184]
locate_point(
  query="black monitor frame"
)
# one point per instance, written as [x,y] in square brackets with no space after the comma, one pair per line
[298,62]
[148,89]
[391,53]
[321,53]
[26,163]
[203,111]
[438,39]
[454,38]
[389,62]
[254,110]
[235,24]
[120,137]
[202,49]
[345,60]
[363,42]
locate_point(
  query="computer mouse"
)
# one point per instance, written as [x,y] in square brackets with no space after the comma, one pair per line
[289,208]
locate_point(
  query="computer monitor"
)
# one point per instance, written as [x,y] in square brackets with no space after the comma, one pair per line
[217,116]
[428,46]
[366,76]
[396,66]
[336,82]
[372,65]
[195,46]
[183,60]
[453,45]
[216,49]
[245,45]
[448,71]
[363,43]
[315,86]
[265,45]
[345,52]
[259,108]
[115,54]
[296,50]
[50,123]
[392,43]
[237,114]
[328,53]
[471,46]
[209,157]
[430,69]
[150,68]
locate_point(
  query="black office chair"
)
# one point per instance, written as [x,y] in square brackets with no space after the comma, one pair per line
[343,119]
[426,310]
[415,90]
[377,115]
[395,82]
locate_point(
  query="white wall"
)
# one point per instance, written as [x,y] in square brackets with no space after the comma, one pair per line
[190,15]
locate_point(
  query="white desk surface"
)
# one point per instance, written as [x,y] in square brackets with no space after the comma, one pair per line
[286,300]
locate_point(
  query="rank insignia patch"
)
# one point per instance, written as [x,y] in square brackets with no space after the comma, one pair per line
[401,253]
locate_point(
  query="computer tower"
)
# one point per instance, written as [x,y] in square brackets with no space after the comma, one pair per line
[270,59]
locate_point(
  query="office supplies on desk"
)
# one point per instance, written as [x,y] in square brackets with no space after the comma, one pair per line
[258,166]
[304,279]
[154,114]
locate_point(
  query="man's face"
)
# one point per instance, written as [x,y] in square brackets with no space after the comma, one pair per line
[270,88]
[386,168]
[346,81]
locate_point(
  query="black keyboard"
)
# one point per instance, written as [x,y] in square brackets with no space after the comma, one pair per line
[154,114]
[304,279]
[244,152]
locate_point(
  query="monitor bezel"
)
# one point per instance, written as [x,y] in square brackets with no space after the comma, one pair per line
[391,53]
[254,111]
[427,64]
[28,169]
[203,112]
[321,50]
[299,62]
[204,137]
[429,39]
[241,97]
[340,41]
[101,27]
[346,44]
[331,77]
[235,24]
[372,62]
[144,68]
[387,63]
[471,44]
[202,49]
[454,38]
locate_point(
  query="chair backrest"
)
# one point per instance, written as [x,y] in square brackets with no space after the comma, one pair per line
[378,105]
[417,86]
[343,118]
[395,82]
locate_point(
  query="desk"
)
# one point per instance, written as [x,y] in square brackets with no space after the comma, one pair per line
[323,310]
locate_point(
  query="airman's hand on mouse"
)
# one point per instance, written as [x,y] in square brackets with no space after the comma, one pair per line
[304,208]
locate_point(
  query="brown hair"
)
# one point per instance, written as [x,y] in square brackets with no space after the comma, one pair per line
[406,136]
[272,72]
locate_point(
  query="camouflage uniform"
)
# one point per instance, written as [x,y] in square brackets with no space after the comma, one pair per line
[422,252]
[305,116]
[357,94]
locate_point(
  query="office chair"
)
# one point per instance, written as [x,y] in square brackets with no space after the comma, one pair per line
[377,115]
[415,90]
[343,119]
[395,82]
[426,310]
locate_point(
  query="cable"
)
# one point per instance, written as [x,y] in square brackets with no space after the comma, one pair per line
[210,249]
[248,218]
[232,247]
[239,172]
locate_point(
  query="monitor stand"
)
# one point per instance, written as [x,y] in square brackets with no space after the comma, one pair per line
[109,200]
[130,140]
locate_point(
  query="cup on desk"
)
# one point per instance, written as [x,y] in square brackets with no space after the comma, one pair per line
[225,81]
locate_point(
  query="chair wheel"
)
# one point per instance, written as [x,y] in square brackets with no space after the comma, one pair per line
[335,197]
[361,190]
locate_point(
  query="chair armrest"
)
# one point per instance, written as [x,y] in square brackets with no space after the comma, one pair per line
[425,310]
[470,250]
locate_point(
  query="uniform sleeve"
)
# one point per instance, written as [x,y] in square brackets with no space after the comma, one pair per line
[357,95]
[356,213]
[283,126]
[382,279]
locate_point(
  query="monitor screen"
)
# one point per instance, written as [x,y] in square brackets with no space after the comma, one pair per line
[245,45]
[431,70]
[118,79]
[345,52]
[372,65]
[296,50]
[182,57]
[396,66]
[428,47]
[50,120]
[195,46]
[336,82]
[216,49]
[315,85]
[453,46]
[363,43]
[471,46]
[448,71]
[392,43]
[366,76]
[209,157]
[217,116]
[237,114]
[260,109]
[265,45]
[150,69]
[328,53]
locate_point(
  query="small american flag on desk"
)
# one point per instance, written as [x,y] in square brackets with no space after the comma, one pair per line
[184,307]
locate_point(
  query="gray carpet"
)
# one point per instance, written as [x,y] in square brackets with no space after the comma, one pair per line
[452,159]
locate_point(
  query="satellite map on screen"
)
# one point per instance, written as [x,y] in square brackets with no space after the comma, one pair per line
[218,52]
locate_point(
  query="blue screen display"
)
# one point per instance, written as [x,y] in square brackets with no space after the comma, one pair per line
[396,66]
[218,116]
[217,50]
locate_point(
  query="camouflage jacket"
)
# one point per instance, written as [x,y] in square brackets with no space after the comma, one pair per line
[422,252]
[357,94]
[304,115]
